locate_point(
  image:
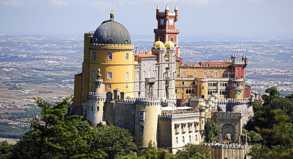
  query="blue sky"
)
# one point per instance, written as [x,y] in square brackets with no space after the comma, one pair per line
[198,18]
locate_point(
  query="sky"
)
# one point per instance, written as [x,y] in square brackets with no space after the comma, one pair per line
[254,19]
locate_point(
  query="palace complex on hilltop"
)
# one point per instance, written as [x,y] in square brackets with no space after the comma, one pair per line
[154,94]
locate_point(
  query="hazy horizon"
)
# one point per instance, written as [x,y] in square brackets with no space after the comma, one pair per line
[199,19]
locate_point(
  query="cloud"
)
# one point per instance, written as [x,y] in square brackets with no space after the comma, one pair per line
[10,3]
[58,3]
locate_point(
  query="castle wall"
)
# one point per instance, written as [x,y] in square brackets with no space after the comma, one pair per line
[178,129]
[165,133]
[77,89]
[86,67]
[147,122]
[202,72]
[121,114]
[230,124]
[229,151]
[94,110]
[147,69]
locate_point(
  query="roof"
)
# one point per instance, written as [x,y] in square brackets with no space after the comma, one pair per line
[111,32]
[209,64]
[146,54]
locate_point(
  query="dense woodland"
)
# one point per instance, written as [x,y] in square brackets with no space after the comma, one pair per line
[57,134]
[271,129]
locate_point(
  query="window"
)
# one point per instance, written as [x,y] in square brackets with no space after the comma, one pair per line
[141,128]
[94,56]
[141,116]
[176,140]
[126,75]
[109,75]
[171,22]
[183,83]
[126,85]
[190,138]
[183,127]
[177,128]
[190,127]
[162,21]
[127,56]
[109,55]
[183,139]
[108,86]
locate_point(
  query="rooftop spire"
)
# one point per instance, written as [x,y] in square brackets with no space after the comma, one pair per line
[112,15]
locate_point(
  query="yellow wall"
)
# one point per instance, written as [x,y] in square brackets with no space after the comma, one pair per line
[182,88]
[202,89]
[202,72]
[189,74]
[119,66]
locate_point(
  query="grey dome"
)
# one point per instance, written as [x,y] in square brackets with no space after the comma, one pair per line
[111,32]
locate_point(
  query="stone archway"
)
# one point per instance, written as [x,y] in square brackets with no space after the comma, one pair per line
[228,133]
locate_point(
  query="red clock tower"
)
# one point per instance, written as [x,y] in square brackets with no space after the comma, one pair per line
[166,28]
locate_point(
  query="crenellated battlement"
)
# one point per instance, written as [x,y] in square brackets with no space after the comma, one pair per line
[225,146]
[233,101]
[140,101]
[112,46]
[178,114]
[227,116]
[94,95]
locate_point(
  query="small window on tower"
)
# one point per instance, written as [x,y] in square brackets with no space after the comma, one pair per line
[162,21]
[108,86]
[94,56]
[126,76]
[109,75]
[127,56]
[172,39]
[109,55]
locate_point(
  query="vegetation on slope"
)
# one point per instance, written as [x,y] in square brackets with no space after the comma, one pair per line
[272,126]
[59,135]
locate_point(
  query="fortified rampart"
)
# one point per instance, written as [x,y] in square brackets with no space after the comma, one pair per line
[229,151]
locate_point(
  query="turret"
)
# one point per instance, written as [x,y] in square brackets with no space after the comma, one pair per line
[95,104]
[176,10]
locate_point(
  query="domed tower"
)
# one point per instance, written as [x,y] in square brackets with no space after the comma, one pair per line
[110,49]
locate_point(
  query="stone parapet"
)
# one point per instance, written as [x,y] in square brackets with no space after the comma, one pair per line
[99,97]
[228,116]
[177,115]
[226,146]
[112,46]
[233,101]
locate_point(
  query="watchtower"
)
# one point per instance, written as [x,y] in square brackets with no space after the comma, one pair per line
[166,26]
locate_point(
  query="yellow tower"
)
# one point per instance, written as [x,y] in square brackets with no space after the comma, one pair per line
[109,49]
[112,52]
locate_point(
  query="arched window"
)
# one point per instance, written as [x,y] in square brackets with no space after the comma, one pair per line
[109,55]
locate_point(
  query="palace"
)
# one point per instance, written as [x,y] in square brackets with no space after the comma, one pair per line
[156,96]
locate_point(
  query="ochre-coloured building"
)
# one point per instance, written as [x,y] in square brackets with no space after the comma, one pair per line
[113,54]
[153,94]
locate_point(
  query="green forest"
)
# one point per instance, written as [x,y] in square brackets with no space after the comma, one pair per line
[271,128]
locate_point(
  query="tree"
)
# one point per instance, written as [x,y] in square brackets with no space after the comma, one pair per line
[194,152]
[5,150]
[254,137]
[211,131]
[272,126]
[60,135]
[273,91]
